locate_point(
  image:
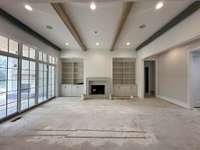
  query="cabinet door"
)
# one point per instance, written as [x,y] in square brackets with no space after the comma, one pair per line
[116,90]
[68,90]
[124,90]
[65,90]
[77,90]
[80,90]
[73,90]
[62,90]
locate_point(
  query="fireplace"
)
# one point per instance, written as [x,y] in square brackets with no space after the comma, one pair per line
[97,89]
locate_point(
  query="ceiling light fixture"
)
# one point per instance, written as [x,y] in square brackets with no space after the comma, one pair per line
[96,32]
[66,43]
[97,44]
[49,27]
[92,5]
[28,7]
[142,26]
[128,44]
[159,5]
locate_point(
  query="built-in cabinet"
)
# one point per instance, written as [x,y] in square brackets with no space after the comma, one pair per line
[124,77]
[71,90]
[72,77]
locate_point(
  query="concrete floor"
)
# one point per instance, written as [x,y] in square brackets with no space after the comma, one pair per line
[72,124]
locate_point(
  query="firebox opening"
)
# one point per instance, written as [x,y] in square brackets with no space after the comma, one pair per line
[97,89]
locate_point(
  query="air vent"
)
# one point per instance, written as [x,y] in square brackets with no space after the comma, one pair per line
[16,119]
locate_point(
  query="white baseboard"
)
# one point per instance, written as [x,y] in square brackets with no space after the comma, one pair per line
[175,101]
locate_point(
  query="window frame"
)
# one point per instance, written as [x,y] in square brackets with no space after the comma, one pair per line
[19,56]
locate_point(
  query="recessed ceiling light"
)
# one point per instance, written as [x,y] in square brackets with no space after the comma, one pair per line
[159,5]
[97,44]
[66,43]
[49,27]
[128,43]
[28,7]
[92,5]
[96,32]
[142,26]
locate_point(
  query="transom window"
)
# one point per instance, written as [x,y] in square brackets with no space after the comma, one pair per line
[28,52]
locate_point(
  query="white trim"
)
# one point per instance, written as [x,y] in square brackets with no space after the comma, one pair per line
[155,60]
[189,77]
[174,101]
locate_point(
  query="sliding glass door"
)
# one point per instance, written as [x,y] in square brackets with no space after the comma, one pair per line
[51,81]
[8,85]
[42,88]
[12,72]
[27,77]
[3,86]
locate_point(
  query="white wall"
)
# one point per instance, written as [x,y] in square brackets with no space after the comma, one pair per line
[185,31]
[195,79]
[172,76]
[11,31]
[98,62]
[175,78]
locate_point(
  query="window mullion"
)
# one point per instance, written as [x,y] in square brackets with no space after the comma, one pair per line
[19,78]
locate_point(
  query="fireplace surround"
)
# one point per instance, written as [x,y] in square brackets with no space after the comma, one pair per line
[98,87]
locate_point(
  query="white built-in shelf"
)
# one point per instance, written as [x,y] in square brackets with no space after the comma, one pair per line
[72,71]
[124,70]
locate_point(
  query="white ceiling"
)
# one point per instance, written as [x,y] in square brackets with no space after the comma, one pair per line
[104,20]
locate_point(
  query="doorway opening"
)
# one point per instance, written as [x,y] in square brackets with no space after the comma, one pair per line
[149,78]
[195,79]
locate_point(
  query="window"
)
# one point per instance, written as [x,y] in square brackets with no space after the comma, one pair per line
[3,44]
[28,84]
[32,76]
[28,52]
[25,51]
[24,84]
[45,85]
[51,82]
[13,47]
[50,59]
[42,88]
[12,85]
[40,56]
[3,85]
[32,53]
[8,85]
[19,95]
[44,57]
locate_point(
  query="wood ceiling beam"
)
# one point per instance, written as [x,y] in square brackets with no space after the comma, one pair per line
[176,20]
[68,23]
[127,6]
